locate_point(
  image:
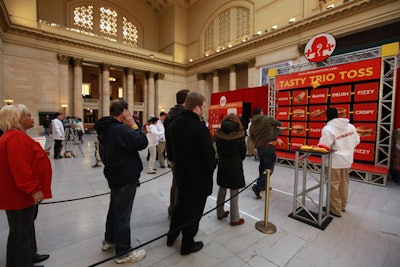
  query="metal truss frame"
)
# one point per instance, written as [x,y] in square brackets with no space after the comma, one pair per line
[386,105]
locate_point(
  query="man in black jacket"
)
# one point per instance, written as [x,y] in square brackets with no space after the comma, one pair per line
[174,113]
[193,154]
[120,141]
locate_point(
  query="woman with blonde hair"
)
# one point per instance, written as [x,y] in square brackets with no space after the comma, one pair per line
[231,148]
[25,180]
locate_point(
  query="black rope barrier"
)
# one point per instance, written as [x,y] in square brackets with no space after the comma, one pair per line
[176,229]
[98,195]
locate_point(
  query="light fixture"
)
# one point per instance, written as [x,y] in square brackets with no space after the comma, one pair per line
[151,56]
[229,45]
[206,54]
[191,60]
[330,6]
[8,101]
[259,32]
[112,79]
[274,27]
[217,50]
[64,105]
[244,39]
[292,20]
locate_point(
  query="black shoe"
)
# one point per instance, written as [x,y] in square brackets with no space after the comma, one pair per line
[39,258]
[196,247]
[170,241]
[256,192]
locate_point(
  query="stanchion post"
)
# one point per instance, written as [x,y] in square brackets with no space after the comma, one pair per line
[265,226]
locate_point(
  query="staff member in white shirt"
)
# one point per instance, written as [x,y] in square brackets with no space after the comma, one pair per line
[58,134]
[341,136]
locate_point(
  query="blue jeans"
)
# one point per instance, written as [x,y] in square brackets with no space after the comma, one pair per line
[267,161]
[118,229]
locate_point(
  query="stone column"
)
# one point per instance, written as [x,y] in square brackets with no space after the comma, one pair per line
[152,94]
[78,100]
[232,77]
[63,67]
[251,82]
[201,77]
[129,95]
[215,87]
[105,92]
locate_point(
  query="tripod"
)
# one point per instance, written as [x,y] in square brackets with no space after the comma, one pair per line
[70,136]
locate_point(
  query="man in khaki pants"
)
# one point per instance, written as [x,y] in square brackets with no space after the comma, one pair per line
[341,136]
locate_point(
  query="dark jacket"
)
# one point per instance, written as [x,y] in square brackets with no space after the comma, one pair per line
[231,149]
[193,154]
[119,150]
[173,113]
[264,129]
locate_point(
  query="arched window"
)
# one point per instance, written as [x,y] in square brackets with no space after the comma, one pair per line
[230,26]
[107,22]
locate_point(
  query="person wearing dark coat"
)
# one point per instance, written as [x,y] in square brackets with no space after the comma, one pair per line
[231,148]
[194,156]
[120,142]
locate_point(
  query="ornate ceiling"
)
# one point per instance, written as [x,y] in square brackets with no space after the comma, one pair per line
[159,6]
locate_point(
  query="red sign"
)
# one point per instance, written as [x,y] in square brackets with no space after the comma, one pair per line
[298,129]
[285,125]
[343,110]
[345,73]
[364,112]
[366,92]
[283,142]
[315,128]
[320,47]
[364,151]
[312,142]
[299,113]
[366,131]
[340,94]
[317,113]
[319,96]
[283,98]
[296,142]
[300,97]
[283,113]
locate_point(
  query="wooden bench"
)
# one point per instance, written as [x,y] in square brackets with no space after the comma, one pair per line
[359,171]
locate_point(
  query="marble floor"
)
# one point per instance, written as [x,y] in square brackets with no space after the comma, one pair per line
[70,226]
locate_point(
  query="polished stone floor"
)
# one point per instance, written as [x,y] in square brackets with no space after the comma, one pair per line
[70,226]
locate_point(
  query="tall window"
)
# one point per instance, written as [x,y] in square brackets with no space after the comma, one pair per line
[130,33]
[83,17]
[230,26]
[106,22]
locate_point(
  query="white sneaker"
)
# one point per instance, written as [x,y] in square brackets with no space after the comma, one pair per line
[133,256]
[107,245]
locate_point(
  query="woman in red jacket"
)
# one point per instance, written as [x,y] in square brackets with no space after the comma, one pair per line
[25,180]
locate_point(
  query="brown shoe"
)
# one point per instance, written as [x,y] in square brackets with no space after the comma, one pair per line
[239,222]
[226,213]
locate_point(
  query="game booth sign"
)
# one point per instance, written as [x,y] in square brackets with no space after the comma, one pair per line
[239,102]
[354,89]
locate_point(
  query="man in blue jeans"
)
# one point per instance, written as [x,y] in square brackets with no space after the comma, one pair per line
[120,140]
[264,131]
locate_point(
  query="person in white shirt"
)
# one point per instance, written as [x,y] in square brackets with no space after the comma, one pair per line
[161,139]
[58,134]
[152,135]
[340,136]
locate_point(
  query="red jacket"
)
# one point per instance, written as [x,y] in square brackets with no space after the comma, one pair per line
[24,170]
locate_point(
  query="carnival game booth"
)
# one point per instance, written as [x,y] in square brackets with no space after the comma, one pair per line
[239,102]
[361,85]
